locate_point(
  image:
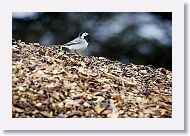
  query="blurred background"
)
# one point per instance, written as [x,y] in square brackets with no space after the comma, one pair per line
[130,37]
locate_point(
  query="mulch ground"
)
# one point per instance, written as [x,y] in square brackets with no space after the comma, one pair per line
[49,82]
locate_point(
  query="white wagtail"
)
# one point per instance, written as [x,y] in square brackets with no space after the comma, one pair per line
[78,44]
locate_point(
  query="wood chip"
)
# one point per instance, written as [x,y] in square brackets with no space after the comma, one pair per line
[48,82]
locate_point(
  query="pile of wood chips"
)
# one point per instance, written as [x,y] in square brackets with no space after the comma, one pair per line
[49,82]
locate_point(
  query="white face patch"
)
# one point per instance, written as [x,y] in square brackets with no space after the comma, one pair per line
[85,34]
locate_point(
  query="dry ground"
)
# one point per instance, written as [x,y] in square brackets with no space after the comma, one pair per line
[49,82]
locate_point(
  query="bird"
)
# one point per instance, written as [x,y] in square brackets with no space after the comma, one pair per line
[78,44]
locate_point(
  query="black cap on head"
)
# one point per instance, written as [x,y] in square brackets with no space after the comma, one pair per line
[80,34]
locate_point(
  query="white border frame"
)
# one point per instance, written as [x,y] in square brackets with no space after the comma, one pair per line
[174,123]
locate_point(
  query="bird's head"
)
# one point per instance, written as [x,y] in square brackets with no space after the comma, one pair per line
[83,34]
